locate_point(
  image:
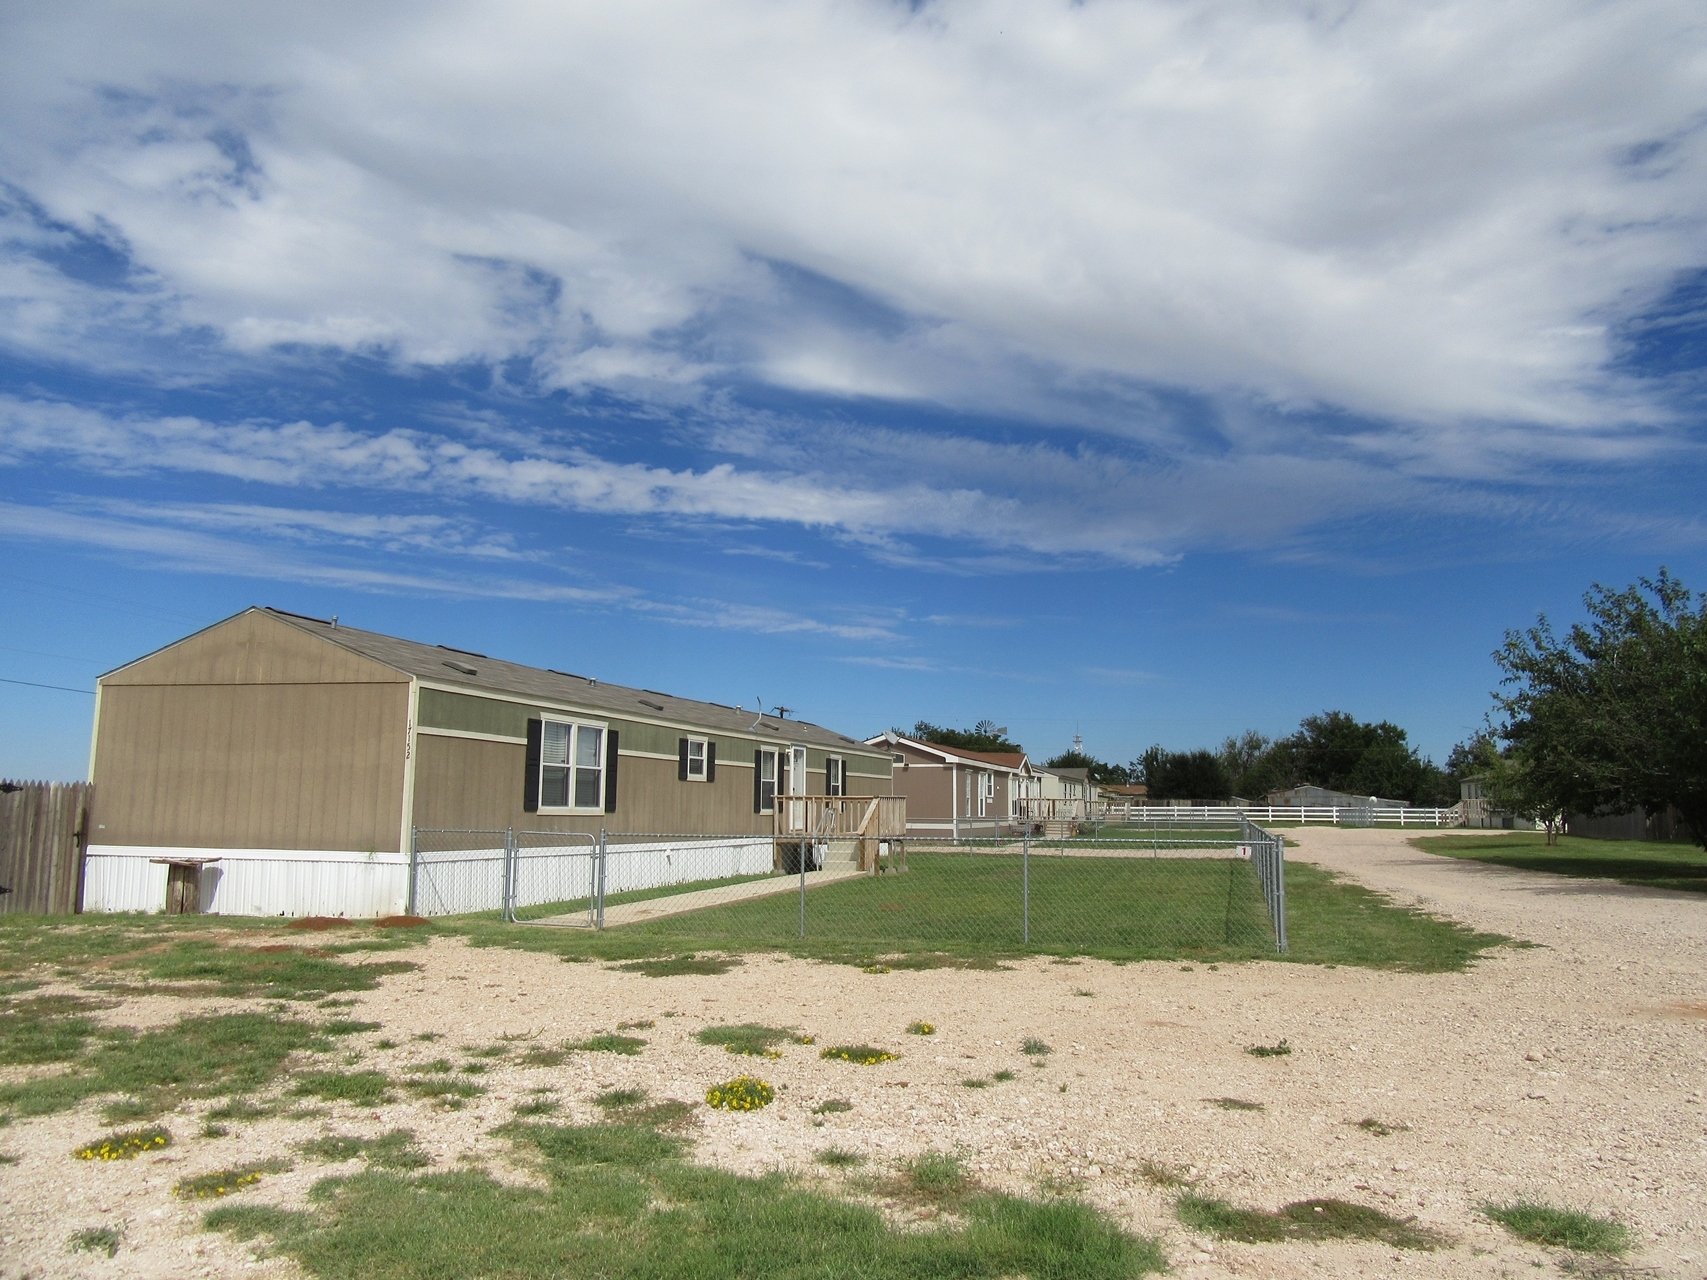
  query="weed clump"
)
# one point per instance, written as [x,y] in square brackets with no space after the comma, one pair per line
[863,1055]
[211,1186]
[1035,1048]
[743,1093]
[831,1106]
[1280,1050]
[921,1029]
[1235,1104]
[1561,1228]
[1303,1220]
[124,1146]
[1158,1174]
[836,1158]
[96,1240]
[1381,1128]
[617,1098]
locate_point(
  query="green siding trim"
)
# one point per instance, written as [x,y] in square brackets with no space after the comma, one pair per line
[470,713]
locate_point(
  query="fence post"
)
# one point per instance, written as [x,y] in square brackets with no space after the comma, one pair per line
[509,887]
[414,870]
[1279,846]
[1025,888]
[806,847]
[599,883]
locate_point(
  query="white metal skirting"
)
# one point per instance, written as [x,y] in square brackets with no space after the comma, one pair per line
[251,882]
[657,863]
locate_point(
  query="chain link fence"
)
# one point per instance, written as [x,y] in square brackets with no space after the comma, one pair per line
[1215,888]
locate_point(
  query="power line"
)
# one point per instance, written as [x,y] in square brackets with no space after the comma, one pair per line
[61,687]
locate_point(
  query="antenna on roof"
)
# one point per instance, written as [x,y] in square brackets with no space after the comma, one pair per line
[782,712]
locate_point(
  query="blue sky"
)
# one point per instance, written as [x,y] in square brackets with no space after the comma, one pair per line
[1147,371]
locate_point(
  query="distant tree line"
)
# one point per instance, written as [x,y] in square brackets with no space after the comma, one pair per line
[1333,750]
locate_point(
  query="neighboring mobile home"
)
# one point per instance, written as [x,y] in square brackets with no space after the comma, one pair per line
[301,755]
[951,791]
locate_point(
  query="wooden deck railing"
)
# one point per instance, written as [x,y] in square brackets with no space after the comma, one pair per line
[865,820]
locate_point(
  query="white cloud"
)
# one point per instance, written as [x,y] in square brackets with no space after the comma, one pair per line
[1430,213]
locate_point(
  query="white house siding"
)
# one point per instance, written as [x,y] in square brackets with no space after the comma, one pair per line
[251,882]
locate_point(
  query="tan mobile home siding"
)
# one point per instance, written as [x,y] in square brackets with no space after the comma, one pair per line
[271,766]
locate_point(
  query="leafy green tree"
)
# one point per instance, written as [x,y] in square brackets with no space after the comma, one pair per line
[1511,782]
[1613,716]
[1101,772]
[984,736]
[1183,775]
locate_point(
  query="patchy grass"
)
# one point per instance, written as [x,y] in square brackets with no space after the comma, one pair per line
[1303,1220]
[393,1150]
[362,1088]
[864,1055]
[749,1038]
[96,1240]
[836,1158]
[921,1029]
[193,1058]
[347,1027]
[225,1182]
[1002,1077]
[1650,864]
[540,1105]
[619,1098]
[832,1106]
[644,1024]
[42,1029]
[1280,1050]
[1561,1228]
[538,1056]
[975,1082]
[276,970]
[1234,1104]
[627,1046]
[1032,1047]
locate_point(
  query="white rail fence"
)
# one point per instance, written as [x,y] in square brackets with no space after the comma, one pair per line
[1324,815]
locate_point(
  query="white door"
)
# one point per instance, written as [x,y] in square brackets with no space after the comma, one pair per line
[797,770]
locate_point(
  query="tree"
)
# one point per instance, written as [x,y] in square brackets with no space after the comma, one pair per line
[1613,717]
[1100,771]
[984,736]
[1511,782]
[1183,775]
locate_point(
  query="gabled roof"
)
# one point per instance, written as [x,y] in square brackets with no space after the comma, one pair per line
[476,673]
[1012,761]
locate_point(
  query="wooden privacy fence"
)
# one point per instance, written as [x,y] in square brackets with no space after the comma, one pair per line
[41,846]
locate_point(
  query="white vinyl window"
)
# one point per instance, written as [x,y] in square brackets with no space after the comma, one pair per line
[571,766]
[696,759]
[765,793]
[835,776]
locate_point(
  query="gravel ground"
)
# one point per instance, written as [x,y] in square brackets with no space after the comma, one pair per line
[1570,1072]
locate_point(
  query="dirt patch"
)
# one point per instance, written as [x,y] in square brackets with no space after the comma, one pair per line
[401,922]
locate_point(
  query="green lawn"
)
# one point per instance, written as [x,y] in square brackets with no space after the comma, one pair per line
[1651,864]
[967,908]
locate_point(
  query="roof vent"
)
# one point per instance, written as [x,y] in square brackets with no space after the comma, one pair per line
[460,666]
[656,706]
[450,648]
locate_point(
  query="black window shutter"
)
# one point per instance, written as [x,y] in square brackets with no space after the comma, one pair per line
[681,759]
[530,780]
[758,787]
[610,771]
[710,761]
